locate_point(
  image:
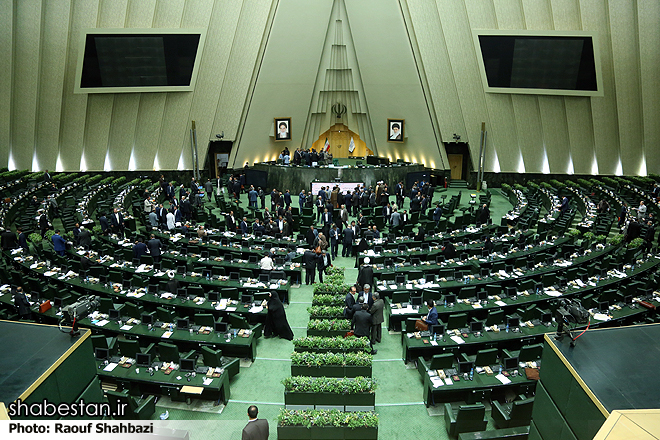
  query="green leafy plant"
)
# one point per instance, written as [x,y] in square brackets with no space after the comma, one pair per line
[325,343]
[324,417]
[532,185]
[546,185]
[310,359]
[337,385]
[518,186]
[107,180]
[557,184]
[328,300]
[570,183]
[35,237]
[635,243]
[49,235]
[610,182]
[584,183]
[332,288]
[325,311]
[589,235]
[97,230]
[572,232]
[600,238]
[329,324]
[616,240]
[506,187]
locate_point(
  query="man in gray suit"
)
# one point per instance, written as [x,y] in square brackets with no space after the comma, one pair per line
[256,429]
[395,219]
[376,311]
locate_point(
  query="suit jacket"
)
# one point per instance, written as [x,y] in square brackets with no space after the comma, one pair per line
[231,223]
[395,218]
[85,238]
[348,236]
[432,317]
[256,430]
[362,323]
[139,249]
[43,222]
[8,240]
[154,247]
[366,275]
[244,227]
[326,217]
[22,240]
[58,243]
[376,311]
[113,220]
[21,303]
[349,302]
[343,214]
[310,259]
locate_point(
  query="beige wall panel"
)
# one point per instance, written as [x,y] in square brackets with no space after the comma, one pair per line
[538,14]
[55,28]
[168,15]
[390,79]
[140,13]
[580,133]
[465,77]
[175,136]
[566,15]
[625,54]
[555,132]
[530,131]
[649,55]
[26,81]
[438,68]
[509,14]
[148,127]
[112,13]
[74,107]
[122,129]
[594,16]
[97,130]
[481,15]
[236,82]
[6,80]
[286,78]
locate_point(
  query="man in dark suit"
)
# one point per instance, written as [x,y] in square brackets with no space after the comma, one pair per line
[43,223]
[387,211]
[377,320]
[349,303]
[361,323]
[230,220]
[366,273]
[117,222]
[47,176]
[649,235]
[139,248]
[310,260]
[244,226]
[21,303]
[287,199]
[8,239]
[154,246]
[320,206]
[59,244]
[186,208]
[22,239]
[399,191]
[256,429]
[84,238]
[347,241]
[437,214]
[208,187]
[311,235]
[76,233]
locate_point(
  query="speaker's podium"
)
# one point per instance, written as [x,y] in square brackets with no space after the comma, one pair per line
[610,372]
[41,363]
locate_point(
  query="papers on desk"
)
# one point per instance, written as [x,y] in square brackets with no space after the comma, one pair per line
[167,295]
[601,317]
[125,327]
[34,265]
[382,287]
[142,268]
[273,286]
[458,339]
[436,381]
[403,311]
[111,366]
[500,303]
[50,273]
[434,343]
[580,283]
[477,306]
[409,286]
[5,288]
[256,309]
[208,381]
[393,286]
[553,293]
[502,378]
[503,273]
[167,334]
[231,309]
[102,322]
[160,273]
[135,294]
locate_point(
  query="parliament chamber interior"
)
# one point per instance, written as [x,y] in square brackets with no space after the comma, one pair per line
[369,218]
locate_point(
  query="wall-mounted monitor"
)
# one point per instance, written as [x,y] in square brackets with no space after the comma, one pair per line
[539,62]
[138,60]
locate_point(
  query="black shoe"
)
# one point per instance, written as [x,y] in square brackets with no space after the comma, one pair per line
[374,351]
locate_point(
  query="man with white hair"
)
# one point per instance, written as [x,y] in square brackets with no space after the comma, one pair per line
[366,273]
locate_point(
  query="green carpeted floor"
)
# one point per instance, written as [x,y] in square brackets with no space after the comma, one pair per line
[399,394]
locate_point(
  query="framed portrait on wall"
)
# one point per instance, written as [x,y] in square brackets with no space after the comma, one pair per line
[282,129]
[395,129]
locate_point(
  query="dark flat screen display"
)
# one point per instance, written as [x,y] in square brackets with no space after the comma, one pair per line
[138,60]
[539,62]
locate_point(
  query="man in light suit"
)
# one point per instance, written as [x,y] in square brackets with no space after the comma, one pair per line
[395,219]
[256,429]
[343,218]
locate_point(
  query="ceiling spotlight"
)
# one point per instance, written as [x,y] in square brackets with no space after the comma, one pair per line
[221,135]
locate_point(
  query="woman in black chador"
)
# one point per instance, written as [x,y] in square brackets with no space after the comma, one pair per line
[276,323]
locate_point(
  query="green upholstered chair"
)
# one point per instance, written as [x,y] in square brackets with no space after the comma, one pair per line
[214,358]
[132,408]
[468,418]
[204,319]
[164,315]
[518,413]
[168,352]
[483,357]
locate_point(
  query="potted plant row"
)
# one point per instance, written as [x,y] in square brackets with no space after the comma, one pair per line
[325,299]
[320,344]
[351,364]
[325,312]
[328,327]
[307,390]
[326,424]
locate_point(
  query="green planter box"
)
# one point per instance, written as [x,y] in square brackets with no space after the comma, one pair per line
[293,433]
[361,399]
[299,399]
[332,370]
[330,399]
[361,433]
[351,371]
[327,432]
[326,333]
